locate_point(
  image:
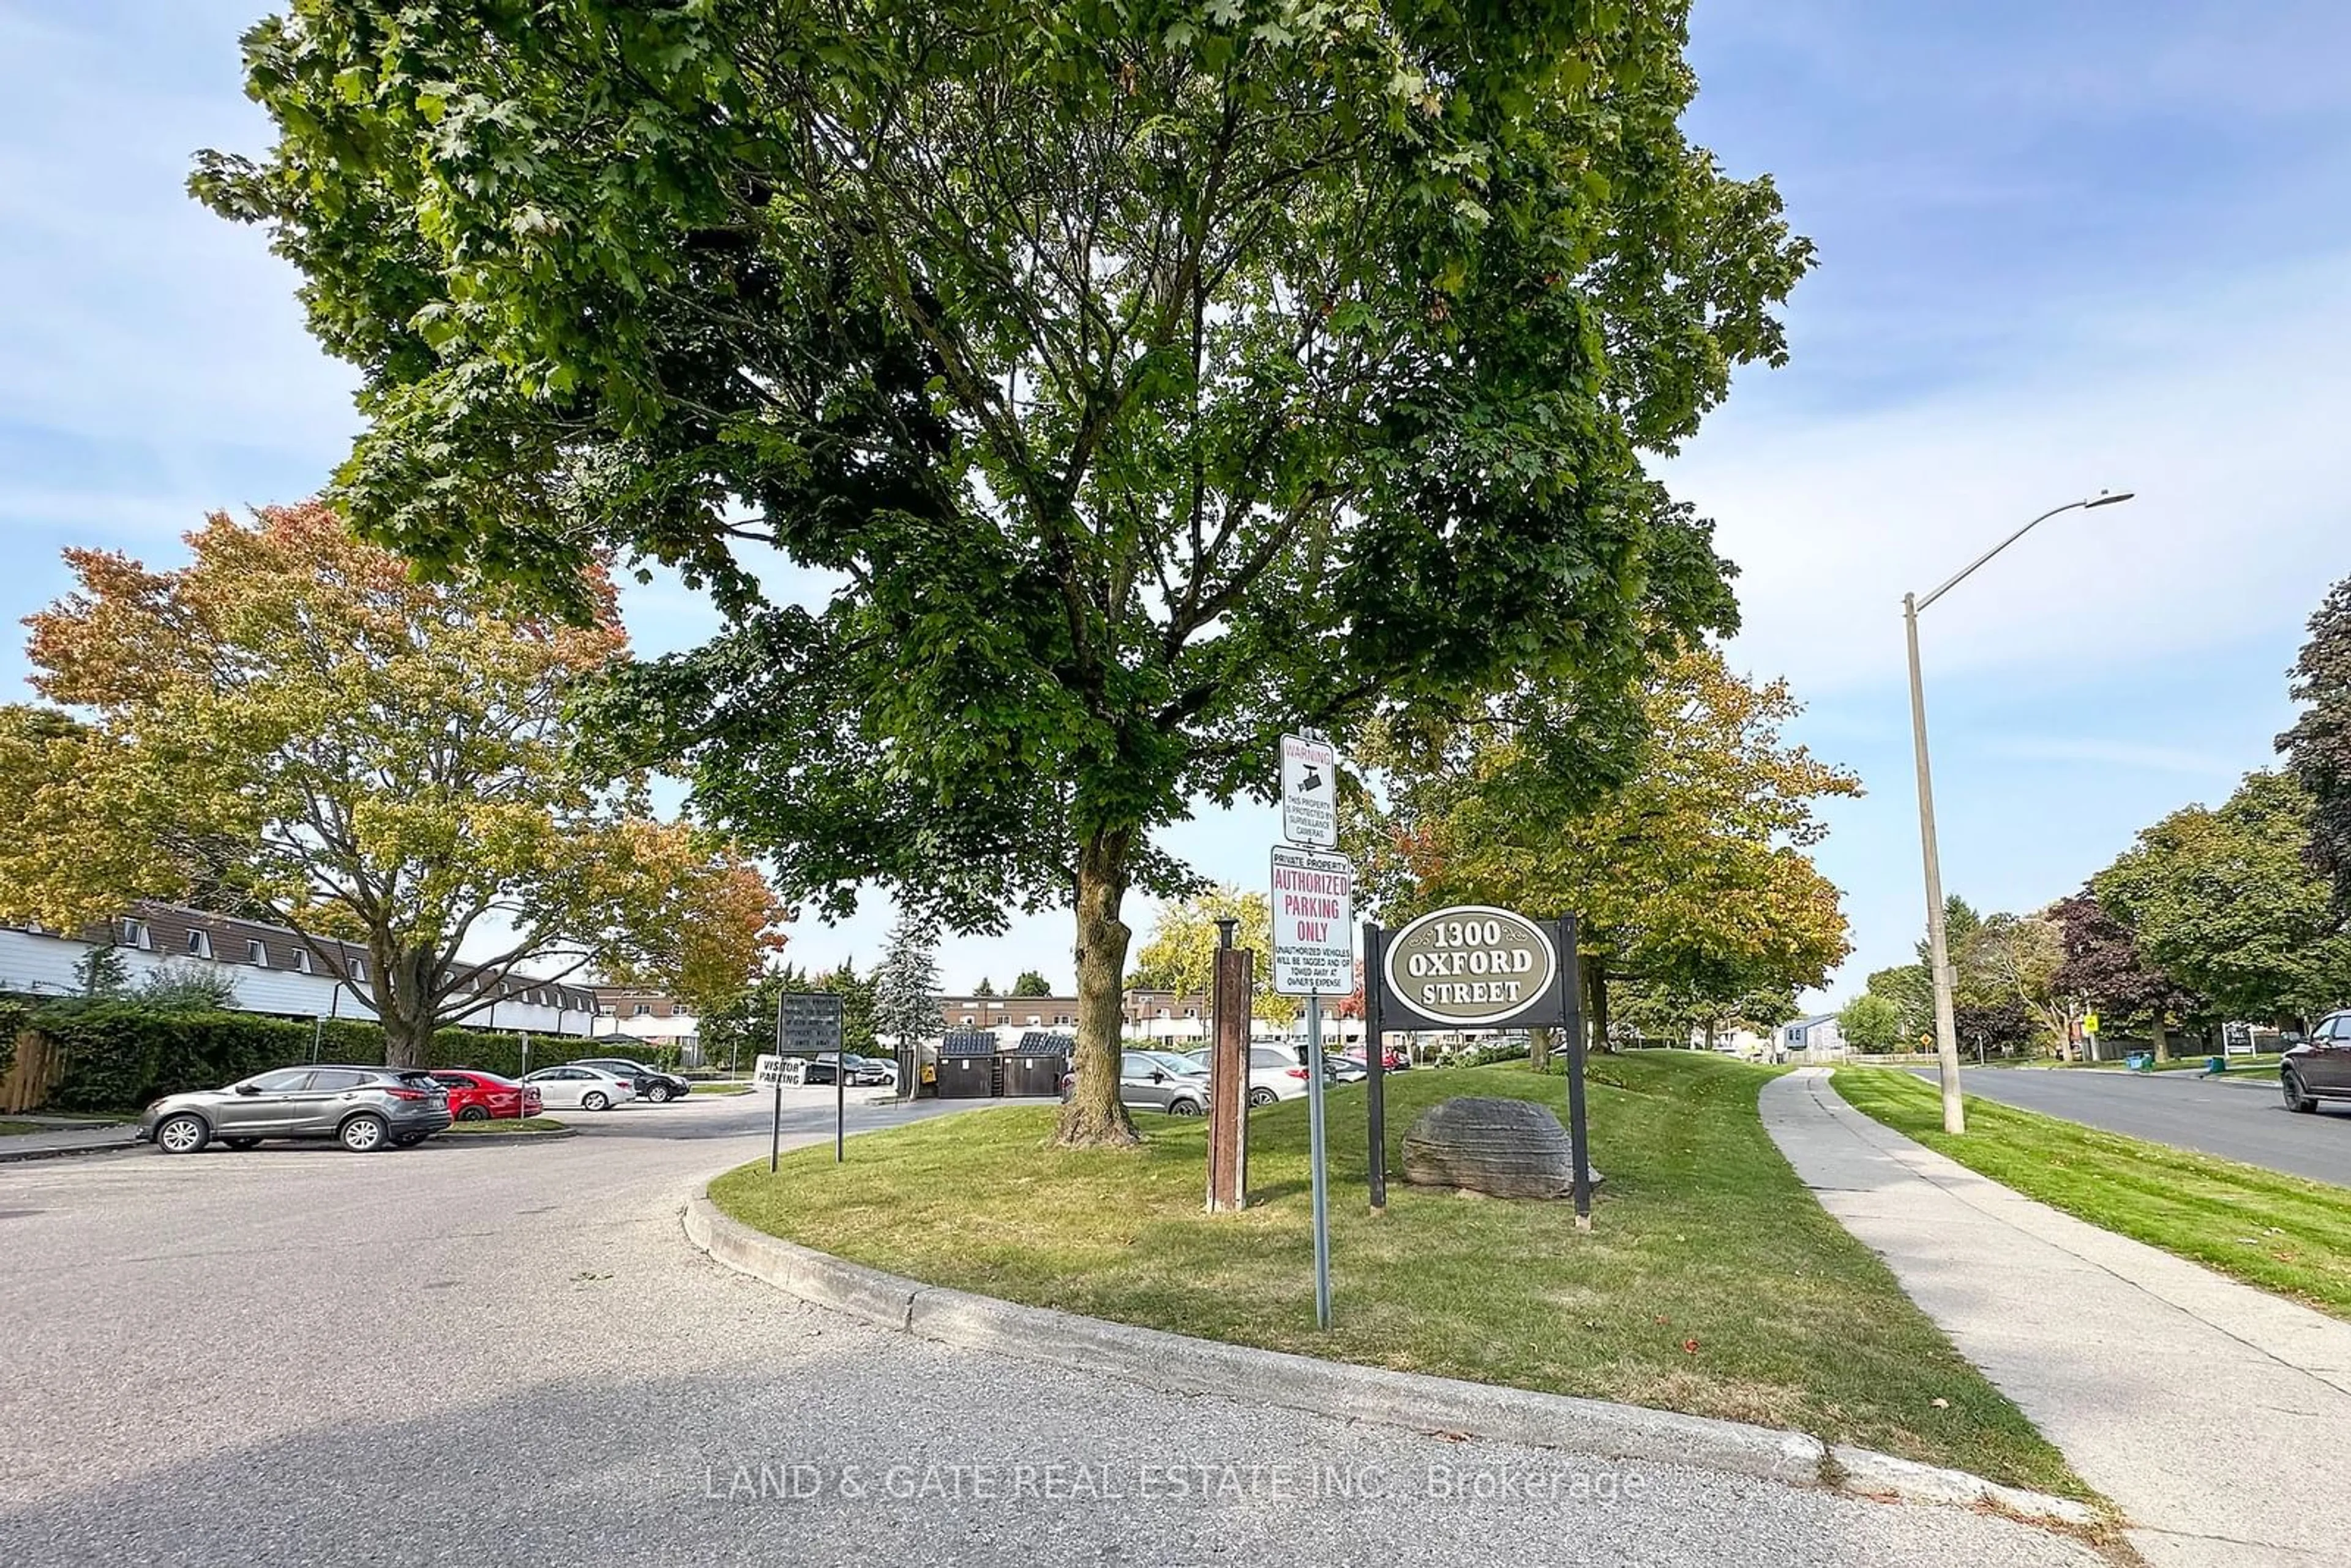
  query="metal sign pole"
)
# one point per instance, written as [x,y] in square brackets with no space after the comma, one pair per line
[1315,1152]
[1375,1052]
[839,1099]
[1578,1141]
[775,1131]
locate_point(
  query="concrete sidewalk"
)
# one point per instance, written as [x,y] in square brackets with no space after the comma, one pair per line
[2214,1414]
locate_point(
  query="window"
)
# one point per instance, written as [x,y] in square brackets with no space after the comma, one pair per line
[1162,1012]
[283,1081]
[644,1008]
[335,1080]
[1062,1019]
[358,969]
[134,935]
[968,1020]
[301,960]
[257,953]
[1034,1021]
[199,946]
[1191,1012]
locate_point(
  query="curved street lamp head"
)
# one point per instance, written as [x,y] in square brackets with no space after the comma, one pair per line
[2108,498]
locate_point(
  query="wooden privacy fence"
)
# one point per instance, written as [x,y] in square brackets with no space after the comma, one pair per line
[33,1074]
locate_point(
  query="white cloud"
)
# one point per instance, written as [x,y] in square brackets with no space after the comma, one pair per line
[2223,413]
[2116,754]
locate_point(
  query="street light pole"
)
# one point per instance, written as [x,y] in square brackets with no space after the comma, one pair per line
[1947,1028]
[1947,1033]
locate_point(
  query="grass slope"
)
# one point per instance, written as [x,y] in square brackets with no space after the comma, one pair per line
[2280,1232]
[496,1126]
[1711,1281]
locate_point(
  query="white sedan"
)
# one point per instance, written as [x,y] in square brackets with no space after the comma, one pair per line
[581,1088]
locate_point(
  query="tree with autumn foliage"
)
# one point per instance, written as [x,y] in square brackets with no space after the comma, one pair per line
[1180,953]
[384,760]
[1681,851]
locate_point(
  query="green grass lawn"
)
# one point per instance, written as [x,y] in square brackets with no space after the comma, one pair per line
[2280,1232]
[728,1088]
[1710,1283]
[507,1125]
[18,1129]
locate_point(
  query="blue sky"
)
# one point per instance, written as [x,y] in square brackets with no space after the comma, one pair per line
[2063,247]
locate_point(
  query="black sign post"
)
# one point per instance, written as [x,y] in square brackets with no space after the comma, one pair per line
[1558,1004]
[1375,1060]
[808,1023]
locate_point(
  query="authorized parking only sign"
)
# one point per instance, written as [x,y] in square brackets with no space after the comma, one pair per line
[1313,924]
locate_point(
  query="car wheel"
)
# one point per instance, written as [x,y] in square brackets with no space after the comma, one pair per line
[660,1093]
[2296,1097]
[363,1135]
[1183,1107]
[242,1143]
[1262,1096]
[474,1113]
[595,1100]
[182,1135]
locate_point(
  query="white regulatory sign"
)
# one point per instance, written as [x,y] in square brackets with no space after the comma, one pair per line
[1313,924]
[1310,792]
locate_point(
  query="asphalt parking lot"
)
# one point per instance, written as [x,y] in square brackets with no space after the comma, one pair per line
[463,1354]
[2238,1120]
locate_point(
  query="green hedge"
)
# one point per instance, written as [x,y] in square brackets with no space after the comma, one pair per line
[120,1055]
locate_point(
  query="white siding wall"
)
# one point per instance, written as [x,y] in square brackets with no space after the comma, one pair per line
[45,965]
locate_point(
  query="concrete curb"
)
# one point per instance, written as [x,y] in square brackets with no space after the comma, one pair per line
[1178,1363]
[534,1136]
[17,1157]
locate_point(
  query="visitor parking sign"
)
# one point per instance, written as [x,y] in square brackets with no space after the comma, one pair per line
[1313,924]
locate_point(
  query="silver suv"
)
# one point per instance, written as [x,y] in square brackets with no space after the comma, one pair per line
[363,1108]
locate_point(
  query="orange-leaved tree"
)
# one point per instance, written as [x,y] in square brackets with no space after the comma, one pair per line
[383,760]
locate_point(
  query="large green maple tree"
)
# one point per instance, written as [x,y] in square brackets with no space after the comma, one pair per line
[1136,380]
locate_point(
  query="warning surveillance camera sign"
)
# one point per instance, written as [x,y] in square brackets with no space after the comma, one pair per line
[1310,792]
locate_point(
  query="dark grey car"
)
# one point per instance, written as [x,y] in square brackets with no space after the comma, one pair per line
[363,1108]
[2318,1068]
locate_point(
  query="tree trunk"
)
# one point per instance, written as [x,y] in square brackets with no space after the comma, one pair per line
[1538,1049]
[1094,1118]
[403,1001]
[1595,984]
[2162,1039]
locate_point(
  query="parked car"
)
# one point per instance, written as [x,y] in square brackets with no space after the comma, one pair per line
[1393,1059]
[650,1083]
[1275,1073]
[363,1108]
[1154,1080]
[2318,1068]
[478,1096]
[584,1088]
[864,1071]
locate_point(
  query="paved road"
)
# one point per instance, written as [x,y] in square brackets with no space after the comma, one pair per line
[470,1354]
[2236,1120]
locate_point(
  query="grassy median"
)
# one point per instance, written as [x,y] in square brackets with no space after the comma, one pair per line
[2279,1232]
[1711,1281]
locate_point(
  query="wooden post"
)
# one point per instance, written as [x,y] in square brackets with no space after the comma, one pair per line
[1231,997]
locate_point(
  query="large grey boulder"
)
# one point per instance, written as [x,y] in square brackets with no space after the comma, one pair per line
[1507,1148]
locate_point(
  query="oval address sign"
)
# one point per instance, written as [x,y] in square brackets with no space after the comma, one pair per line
[1471,964]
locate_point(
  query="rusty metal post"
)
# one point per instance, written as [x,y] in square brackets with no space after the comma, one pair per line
[1231,1002]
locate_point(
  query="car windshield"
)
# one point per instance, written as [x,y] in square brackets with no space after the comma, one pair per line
[1174,1064]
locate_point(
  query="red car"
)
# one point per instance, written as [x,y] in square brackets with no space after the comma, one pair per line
[1392,1058]
[485,1096]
